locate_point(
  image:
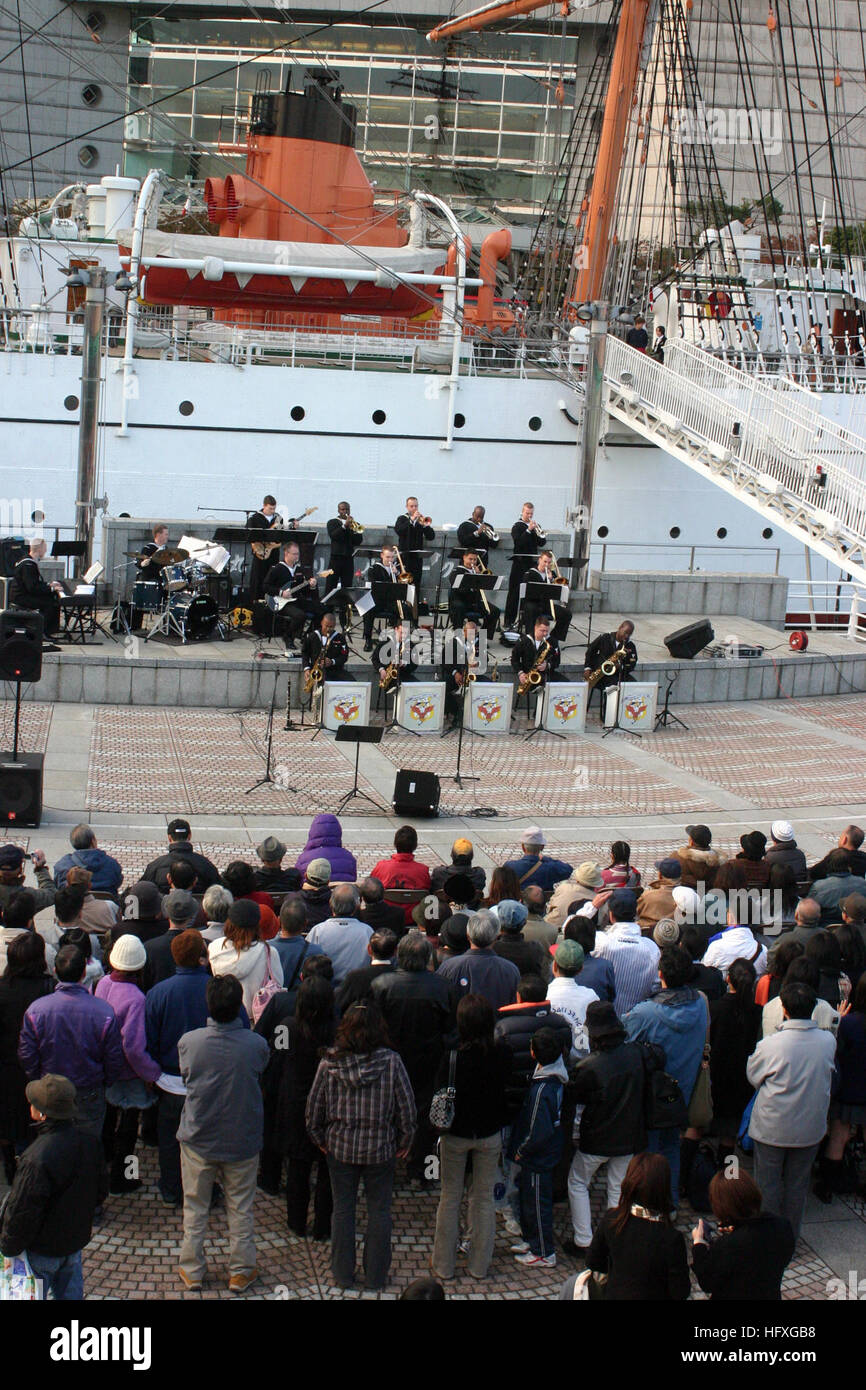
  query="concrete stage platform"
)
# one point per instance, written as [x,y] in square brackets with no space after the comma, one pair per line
[239,674]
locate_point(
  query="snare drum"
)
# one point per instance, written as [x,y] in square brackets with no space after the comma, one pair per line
[196,575]
[146,595]
[197,614]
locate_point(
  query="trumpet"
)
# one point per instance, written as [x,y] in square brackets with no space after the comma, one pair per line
[487,530]
[352,525]
[425,520]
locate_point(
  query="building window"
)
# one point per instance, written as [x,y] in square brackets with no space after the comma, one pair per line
[87,156]
[91,94]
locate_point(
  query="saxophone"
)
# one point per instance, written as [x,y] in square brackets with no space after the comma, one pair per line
[388,676]
[316,674]
[534,676]
[607,668]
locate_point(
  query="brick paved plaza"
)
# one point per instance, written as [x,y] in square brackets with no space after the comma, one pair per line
[737,767]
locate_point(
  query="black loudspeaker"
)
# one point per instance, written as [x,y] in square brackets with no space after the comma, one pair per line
[20,645]
[21,789]
[686,642]
[12,549]
[416,793]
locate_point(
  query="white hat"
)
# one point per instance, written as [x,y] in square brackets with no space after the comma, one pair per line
[532,836]
[127,954]
[782,830]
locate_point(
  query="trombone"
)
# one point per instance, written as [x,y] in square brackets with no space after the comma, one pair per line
[481,568]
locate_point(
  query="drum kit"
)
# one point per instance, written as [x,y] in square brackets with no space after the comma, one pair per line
[185,610]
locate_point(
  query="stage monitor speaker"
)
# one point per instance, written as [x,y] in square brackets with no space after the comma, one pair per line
[20,645]
[686,642]
[416,793]
[21,789]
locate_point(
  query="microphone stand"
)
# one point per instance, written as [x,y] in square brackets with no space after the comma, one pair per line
[263,781]
[664,719]
[458,777]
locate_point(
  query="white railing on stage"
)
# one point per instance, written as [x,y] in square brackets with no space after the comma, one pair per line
[767,438]
[826,605]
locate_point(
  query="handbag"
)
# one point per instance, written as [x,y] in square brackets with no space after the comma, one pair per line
[701,1103]
[664,1106]
[267,990]
[588,1286]
[443,1104]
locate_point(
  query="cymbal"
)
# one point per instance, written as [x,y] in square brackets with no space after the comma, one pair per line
[161,558]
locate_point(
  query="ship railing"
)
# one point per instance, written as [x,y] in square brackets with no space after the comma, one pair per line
[774,434]
[827,605]
[842,372]
[688,559]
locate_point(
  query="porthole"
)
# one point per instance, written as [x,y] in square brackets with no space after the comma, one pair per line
[71,403]
[767,533]
[535,422]
[91,94]
[298,412]
[674,532]
[603,531]
[722,532]
[379,417]
[87,156]
[459,421]
[95,21]
[186,407]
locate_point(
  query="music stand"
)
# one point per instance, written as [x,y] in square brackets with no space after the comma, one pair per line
[68,550]
[473,586]
[541,596]
[388,597]
[358,734]
[664,718]
[445,532]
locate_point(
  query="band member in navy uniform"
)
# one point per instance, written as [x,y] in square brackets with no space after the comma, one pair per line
[326,639]
[395,646]
[479,605]
[344,540]
[464,664]
[474,535]
[542,573]
[527,650]
[601,650]
[260,568]
[528,539]
[27,588]
[382,571]
[288,574]
[413,530]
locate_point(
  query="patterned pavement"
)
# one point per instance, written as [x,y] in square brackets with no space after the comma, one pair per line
[133,1253]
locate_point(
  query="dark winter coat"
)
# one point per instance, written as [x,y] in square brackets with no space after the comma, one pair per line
[61,1180]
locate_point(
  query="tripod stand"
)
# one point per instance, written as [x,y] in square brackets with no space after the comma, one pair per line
[664,718]
[269,736]
[458,777]
[361,733]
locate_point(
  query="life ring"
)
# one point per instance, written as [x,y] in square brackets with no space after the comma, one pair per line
[798,641]
[719,304]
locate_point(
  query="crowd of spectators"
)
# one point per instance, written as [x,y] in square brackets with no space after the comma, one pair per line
[693,1031]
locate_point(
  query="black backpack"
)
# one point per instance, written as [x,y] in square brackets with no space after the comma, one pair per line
[704,1167]
[664,1104]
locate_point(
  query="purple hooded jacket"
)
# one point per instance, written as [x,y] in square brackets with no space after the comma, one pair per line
[73,1033]
[127,1001]
[325,841]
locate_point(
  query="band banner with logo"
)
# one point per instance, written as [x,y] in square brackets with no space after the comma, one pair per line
[421,706]
[346,703]
[638,706]
[489,709]
[564,708]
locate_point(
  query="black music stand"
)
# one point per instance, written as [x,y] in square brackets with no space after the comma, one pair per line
[68,550]
[446,531]
[388,597]
[358,734]
[542,596]
[472,586]
[664,718]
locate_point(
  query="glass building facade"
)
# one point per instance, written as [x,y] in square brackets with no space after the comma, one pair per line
[478,122]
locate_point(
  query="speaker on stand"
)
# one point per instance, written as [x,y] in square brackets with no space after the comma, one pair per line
[20,773]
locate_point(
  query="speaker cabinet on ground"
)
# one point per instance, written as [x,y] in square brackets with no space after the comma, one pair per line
[686,642]
[20,645]
[416,793]
[21,789]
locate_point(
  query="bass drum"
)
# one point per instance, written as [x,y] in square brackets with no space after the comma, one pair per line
[197,614]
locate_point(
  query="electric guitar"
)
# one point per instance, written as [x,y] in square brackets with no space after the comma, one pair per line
[262,549]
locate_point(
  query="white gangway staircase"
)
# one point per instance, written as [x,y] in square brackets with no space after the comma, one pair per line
[763,440]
